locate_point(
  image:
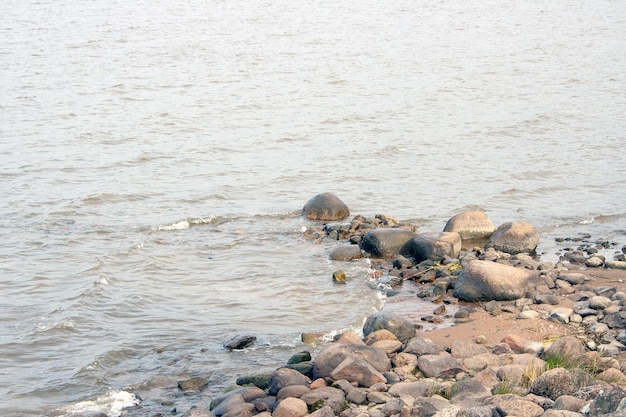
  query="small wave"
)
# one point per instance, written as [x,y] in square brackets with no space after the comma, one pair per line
[111,198]
[60,325]
[187,223]
[111,404]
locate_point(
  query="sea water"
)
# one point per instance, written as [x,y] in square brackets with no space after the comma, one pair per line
[154,156]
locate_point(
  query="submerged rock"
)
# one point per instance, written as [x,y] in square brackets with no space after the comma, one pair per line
[239,342]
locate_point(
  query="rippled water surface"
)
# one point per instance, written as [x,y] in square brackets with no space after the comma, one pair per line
[154,156]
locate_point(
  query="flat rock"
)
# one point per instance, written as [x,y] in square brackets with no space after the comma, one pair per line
[486,281]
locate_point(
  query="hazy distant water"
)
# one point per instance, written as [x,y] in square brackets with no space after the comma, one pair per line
[154,155]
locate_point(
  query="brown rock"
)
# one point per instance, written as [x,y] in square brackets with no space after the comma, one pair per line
[291,407]
[514,238]
[325,207]
[471,225]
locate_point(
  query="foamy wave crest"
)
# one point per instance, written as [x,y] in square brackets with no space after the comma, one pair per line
[110,404]
[187,223]
[60,325]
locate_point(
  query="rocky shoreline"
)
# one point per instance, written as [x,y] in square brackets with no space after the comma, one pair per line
[491,295]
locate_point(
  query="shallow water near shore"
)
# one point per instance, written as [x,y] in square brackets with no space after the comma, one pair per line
[155,156]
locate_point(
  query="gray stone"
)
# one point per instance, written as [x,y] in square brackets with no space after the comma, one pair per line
[284,377]
[325,207]
[399,326]
[615,320]
[469,392]
[569,403]
[393,406]
[514,238]
[568,347]
[193,384]
[432,246]
[554,383]
[594,262]
[325,411]
[239,342]
[561,314]
[574,278]
[423,346]
[333,354]
[599,302]
[512,405]
[486,281]
[471,225]
[356,369]
[332,397]
[240,410]
[295,391]
[227,403]
[193,412]
[463,350]
[442,365]
[346,253]
[357,396]
[385,242]
[616,264]
[478,411]
[607,401]
[561,413]
[426,407]
[261,381]
[411,389]
[291,407]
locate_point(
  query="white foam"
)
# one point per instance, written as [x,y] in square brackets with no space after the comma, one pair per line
[110,404]
[185,224]
[180,225]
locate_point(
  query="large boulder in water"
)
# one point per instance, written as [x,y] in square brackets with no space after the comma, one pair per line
[487,281]
[325,207]
[514,238]
[398,326]
[385,242]
[471,225]
[432,246]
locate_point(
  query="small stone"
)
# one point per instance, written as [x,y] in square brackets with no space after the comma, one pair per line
[339,276]
[594,262]
[528,314]
[599,302]
[192,384]
[239,342]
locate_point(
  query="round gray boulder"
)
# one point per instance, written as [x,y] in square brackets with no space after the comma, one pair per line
[514,238]
[398,326]
[385,242]
[471,225]
[325,207]
[487,281]
[432,246]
